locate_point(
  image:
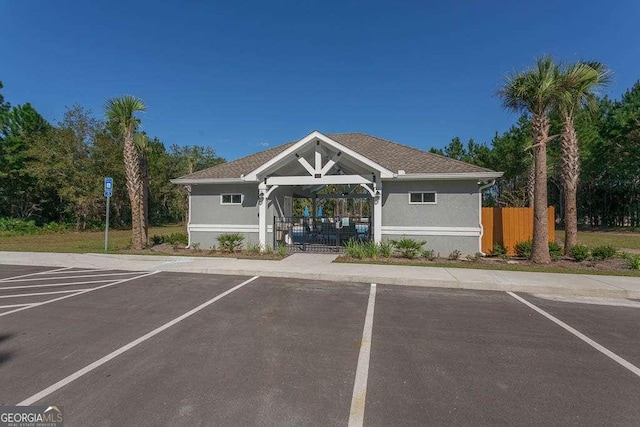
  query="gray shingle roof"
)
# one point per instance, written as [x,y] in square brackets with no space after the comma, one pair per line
[388,154]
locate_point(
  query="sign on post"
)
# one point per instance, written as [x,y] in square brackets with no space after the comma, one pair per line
[108,189]
[108,186]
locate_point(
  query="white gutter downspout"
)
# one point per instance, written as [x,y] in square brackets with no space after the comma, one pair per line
[482,187]
[188,188]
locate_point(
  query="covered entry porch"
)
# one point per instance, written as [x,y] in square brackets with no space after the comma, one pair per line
[325,221]
[307,169]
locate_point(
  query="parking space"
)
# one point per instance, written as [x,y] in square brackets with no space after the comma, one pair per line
[616,327]
[7,271]
[277,353]
[25,288]
[64,336]
[483,358]
[175,348]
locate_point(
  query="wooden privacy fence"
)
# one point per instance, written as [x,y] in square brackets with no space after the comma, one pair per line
[508,226]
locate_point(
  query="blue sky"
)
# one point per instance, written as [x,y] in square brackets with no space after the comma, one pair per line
[242,76]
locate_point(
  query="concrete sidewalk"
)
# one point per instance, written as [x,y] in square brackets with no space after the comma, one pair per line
[321,267]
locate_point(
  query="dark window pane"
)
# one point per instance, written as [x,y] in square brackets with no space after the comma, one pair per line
[237,198]
[226,198]
[416,197]
[429,197]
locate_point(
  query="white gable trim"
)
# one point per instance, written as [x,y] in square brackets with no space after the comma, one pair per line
[281,158]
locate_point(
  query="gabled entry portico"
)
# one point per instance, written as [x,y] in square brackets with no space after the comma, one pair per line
[314,162]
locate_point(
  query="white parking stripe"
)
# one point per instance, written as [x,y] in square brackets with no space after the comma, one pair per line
[53,285]
[15,305]
[47,391]
[70,270]
[82,292]
[33,274]
[70,277]
[35,294]
[359,398]
[580,335]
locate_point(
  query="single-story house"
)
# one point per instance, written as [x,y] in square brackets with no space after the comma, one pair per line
[413,193]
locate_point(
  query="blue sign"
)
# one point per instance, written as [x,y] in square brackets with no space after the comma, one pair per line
[108,186]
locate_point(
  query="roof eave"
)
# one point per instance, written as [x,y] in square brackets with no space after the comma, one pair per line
[193,181]
[448,176]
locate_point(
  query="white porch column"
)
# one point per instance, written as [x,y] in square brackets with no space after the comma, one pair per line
[377,214]
[262,214]
[188,188]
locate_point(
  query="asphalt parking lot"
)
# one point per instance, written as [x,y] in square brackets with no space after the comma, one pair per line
[150,348]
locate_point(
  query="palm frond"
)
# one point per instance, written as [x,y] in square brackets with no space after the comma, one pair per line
[532,90]
[578,82]
[121,112]
[141,141]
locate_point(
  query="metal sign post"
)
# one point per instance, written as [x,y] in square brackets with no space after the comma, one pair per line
[108,188]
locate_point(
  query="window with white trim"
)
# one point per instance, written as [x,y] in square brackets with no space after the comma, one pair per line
[231,199]
[422,198]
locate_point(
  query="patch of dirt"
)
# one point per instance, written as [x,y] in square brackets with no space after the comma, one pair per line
[167,249]
[611,264]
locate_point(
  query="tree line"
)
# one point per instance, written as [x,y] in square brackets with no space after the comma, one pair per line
[54,172]
[609,179]
[590,164]
[569,148]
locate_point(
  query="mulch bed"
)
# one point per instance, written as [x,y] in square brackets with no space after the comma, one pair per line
[167,249]
[612,264]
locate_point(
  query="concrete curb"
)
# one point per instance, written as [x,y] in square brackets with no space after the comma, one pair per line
[321,268]
[425,283]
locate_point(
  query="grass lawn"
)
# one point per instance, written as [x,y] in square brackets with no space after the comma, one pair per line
[620,240]
[78,242]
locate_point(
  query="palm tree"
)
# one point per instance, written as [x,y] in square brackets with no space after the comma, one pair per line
[535,91]
[120,113]
[141,141]
[577,83]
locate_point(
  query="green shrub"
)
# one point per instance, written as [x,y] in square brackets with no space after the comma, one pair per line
[386,249]
[429,254]
[603,252]
[231,242]
[354,249]
[523,249]
[17,227]
[282,250]
[253,248]
[455,255]
[555,251]
[175,239]
[54,227]
[475,257]
[268,249]
[499,250]
[157,240]
[579,252]
[634,261]
[371,249]
[358,249]
[407,248]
